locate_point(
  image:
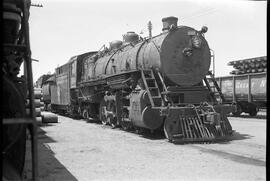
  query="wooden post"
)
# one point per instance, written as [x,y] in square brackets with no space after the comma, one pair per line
[234,96]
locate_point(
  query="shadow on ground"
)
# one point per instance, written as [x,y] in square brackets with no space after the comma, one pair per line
[239,136]
[49,168]
[156,135]
[250,117]
[223,140]
[159,135]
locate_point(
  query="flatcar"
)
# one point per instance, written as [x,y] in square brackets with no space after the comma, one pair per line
[153,83]
[247,90]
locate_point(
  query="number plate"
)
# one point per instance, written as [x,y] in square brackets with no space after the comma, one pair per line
[191,32]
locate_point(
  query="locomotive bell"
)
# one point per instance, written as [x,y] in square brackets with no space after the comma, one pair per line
[168,22]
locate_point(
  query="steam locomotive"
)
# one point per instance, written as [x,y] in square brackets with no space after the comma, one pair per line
[153,83]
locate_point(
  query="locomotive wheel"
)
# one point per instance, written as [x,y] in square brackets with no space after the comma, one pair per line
[139,130]
[253,112]
[85,114]
[238,111]
[112,121]
[111,114]
[104,122]
[49,107]
[102,113]
[103,118]
[125,124]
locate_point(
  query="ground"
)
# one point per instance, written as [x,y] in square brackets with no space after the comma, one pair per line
[76,150]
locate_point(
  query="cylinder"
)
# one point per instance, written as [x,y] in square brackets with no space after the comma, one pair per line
[141,114]
[37,111]
[39,119]
[37,94]
[49,118]
[37,103]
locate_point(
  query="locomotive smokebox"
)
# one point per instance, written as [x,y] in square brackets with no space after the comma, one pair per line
[168,22]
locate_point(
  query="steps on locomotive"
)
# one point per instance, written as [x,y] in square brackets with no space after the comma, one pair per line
[148,73]
[152,88]
[215,89]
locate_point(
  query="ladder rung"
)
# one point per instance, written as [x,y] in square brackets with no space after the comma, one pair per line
[148,74]
[165,92]
[21,47]
[149,79]
[152,88]
[147,71]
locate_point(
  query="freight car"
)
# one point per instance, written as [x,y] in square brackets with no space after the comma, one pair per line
[153,83]
[41,80]
[247,90]
[46,91]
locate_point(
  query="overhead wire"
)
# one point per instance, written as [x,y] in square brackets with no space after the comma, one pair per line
[200,14]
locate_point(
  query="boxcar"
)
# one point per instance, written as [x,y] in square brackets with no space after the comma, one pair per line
[41,80]
[60,96]
[46,91]
[248,91]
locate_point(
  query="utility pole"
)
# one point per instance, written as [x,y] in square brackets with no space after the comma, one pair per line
[37,5]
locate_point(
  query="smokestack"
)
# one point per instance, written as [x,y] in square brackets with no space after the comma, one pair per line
[168,22]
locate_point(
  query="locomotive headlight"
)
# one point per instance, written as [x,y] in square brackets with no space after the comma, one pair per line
[196,41]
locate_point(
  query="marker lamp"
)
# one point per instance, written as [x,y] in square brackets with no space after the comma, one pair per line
[196,41]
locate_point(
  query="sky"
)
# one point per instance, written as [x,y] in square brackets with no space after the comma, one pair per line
[65,28]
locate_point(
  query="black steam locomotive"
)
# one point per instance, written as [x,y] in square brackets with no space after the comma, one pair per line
[153,83]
